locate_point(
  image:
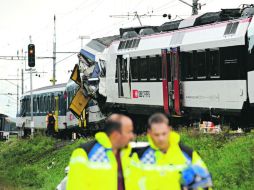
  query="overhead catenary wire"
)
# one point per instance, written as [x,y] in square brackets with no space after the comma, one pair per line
[66,58]
[164,5]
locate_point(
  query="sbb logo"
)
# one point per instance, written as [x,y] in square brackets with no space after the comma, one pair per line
[140,94]
[135,93]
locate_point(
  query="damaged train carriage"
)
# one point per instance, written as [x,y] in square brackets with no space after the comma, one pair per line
[192,69]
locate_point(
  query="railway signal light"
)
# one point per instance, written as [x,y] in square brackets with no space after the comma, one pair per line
[31,55]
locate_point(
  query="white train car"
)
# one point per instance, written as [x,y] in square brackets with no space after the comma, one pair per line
[56,99]
[193,67]
[45,99]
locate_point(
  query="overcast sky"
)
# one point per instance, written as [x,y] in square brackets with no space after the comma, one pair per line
[21,18]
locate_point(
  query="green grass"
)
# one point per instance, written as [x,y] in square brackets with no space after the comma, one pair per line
[34,164]
[37,164]
[230,159]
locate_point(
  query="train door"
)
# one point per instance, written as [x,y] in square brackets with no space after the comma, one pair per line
[175,79]
[123,76]
[171,81]
[167,104]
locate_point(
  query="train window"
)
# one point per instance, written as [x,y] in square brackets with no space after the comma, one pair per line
[228,28]
[233,62]
[131,44]
[134,69]
[231,28]
[68,98]
[71,96]
[136,42]
[187,64]
[153,68]
[34,105]
[164,68]
[53,103]
[38,104]
[214,62]
[41,104]
[169,67]
[22,107]
[116,73]
[159,67]
[28,105]
[128,44]
[48,103]
[62,104]
[143,68]
[60,100]
[201,64]
[121,69]
[234,27]
[45,104]
[124,71]
[121,45]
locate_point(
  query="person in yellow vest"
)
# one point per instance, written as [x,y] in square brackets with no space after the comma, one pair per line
[102,163]
[50,121]
[166,163]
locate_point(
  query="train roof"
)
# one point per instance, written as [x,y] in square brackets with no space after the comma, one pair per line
[3,115]
[99,44]
[196,20]
[45,89]
[9,118]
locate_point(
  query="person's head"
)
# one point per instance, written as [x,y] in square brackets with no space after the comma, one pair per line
[158,129]
[119,128]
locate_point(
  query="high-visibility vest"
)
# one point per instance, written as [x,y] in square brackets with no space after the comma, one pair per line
[50,119]
[94,167]
[162,171]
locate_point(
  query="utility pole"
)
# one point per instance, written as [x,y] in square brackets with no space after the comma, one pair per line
[17,91]
[54,53]
[22,81]
[22,74]
[31,104]
[195,6]
[138,17]
[31,100]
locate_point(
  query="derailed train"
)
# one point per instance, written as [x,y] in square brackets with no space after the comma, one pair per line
[191,69]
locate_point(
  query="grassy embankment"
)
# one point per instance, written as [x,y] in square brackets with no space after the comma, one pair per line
[38,164]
